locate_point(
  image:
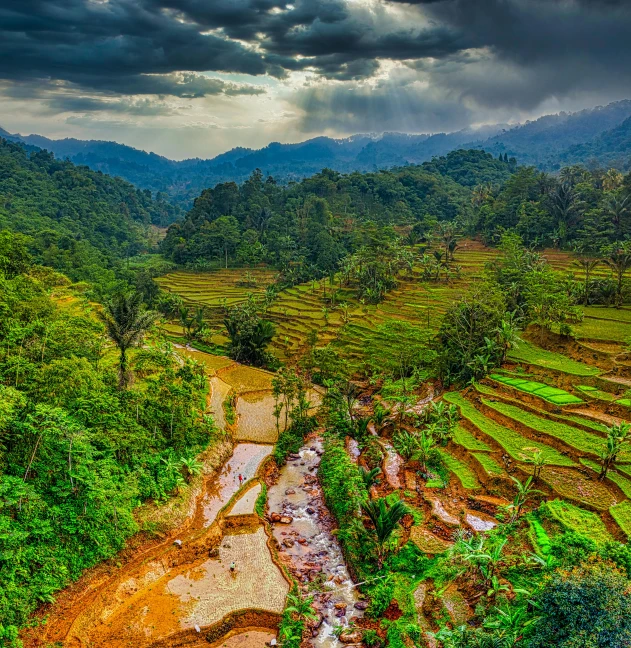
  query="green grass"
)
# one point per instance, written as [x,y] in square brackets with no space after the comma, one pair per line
[464,473]
[621,513]
[491,467]
[513,442]
[464,438]
[615,477]
[531,354]
[593,392]
[538,536]
[551,394]
[598,329]
[577,519]
[575,437]
[570,418]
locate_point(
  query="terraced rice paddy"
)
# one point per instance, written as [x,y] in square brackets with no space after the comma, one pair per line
[462,471]
[306,308]
[513,442]
[573,518]
[572,436]
[621,513]
[217,288]
[551,394]
[533,355]
[491,467]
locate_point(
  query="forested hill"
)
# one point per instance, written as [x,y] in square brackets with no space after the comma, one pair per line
[307,228]
[79,221]
[549,143]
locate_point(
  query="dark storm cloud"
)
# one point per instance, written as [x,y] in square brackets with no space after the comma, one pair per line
[486,53]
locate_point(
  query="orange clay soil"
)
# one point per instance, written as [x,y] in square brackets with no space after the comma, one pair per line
[141,602]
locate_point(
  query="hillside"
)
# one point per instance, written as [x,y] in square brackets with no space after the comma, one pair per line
[547,142]
[79,221]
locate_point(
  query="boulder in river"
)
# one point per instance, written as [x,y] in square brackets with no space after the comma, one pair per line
[275,517]
[351,637]
[361,605]
[285,519]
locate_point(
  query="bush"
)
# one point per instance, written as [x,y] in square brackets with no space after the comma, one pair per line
[587,607]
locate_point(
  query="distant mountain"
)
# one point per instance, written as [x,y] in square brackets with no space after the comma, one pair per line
[544,142]
[611,148]
[548,142]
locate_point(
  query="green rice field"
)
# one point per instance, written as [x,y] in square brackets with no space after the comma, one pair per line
[550,394]
[534,355]
[513,442]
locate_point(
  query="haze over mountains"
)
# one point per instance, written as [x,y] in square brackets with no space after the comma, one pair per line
[600,135]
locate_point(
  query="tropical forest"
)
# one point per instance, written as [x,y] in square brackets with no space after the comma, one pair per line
[368,385]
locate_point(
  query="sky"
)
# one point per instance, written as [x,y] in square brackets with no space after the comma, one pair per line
[194,78]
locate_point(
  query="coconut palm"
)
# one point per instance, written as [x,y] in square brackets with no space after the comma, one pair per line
[385,520]
[126,323]
[619,260]
[587,265]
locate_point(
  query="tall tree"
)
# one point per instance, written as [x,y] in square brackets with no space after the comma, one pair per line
[126,323]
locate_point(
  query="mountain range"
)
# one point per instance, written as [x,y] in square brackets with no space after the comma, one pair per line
[595,136]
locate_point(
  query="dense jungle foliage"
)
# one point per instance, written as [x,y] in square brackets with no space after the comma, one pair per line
[81,222]
[309,229]
[79,451]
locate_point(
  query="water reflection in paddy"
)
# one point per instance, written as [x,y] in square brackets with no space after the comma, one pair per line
[245,460]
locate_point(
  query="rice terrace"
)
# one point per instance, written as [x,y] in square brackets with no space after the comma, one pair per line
[315,324]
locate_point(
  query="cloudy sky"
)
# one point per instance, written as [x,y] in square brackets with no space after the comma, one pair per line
[189,78]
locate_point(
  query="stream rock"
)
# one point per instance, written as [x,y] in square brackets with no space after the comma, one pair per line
[353,637]
[285,519]
[361,605]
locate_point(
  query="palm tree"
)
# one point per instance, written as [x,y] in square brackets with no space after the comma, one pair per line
[617,434]
[564,203]
[385,520]
[619,260]
[612,180]
[588,265]
[618,207]
[126,323]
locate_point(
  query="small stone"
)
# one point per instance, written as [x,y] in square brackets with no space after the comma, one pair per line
[302,541]
[340,606]
[288,542]
[290,491]
[178,543]
[275,517]
[285,519]
[310,511]
[360,605]
[351,637]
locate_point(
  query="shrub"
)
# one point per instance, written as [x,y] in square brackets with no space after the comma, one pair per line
[588,606]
